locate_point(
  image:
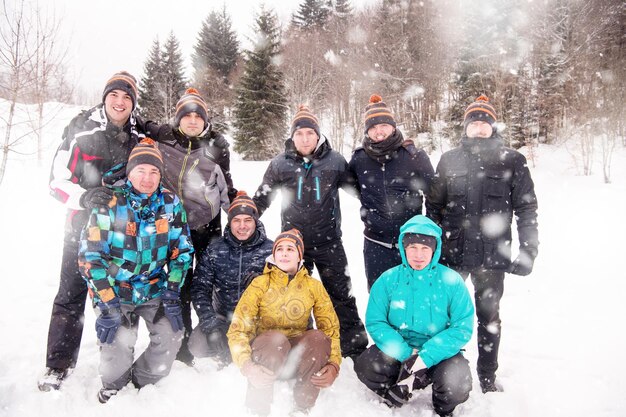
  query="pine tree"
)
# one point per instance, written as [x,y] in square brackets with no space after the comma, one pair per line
[215,59]
[217,45]
[311,15]
[150,85]
[260,109]
[163,82]
[174,83]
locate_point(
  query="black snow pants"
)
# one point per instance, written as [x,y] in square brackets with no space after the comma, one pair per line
[68,310]
[451,378]
[332,264]
[488,290]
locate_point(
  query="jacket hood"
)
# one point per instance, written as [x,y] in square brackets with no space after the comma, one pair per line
[422,225]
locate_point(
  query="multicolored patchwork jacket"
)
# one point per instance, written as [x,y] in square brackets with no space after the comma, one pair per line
[125,249]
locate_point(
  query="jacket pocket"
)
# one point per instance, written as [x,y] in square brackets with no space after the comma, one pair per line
[496,192]
[452,247]
[497,253]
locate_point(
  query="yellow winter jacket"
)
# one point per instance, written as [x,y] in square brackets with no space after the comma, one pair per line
[272,302]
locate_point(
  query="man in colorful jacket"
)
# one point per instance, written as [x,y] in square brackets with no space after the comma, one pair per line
[309,174]
[197,168]
[134,255]
[94,151]
[420,315]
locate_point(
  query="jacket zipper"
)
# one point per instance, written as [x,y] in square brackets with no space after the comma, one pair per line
[182,174]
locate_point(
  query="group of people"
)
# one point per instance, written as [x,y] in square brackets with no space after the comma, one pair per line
[144,239]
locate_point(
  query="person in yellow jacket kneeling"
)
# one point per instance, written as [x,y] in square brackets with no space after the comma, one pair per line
[269,337]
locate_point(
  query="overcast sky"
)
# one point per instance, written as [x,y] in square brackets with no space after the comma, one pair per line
[113,35]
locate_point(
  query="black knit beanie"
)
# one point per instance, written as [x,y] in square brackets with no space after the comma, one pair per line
[410,238]
[304,118]
[242,204]
[190,102]
[122,81]
[479,110]
[145,152]
[377,112]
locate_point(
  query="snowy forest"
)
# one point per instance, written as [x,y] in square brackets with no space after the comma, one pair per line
[554,69]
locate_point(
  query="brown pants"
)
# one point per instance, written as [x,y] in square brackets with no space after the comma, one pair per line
[299,357]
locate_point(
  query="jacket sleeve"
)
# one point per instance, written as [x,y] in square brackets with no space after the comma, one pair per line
[94,255]
[151,129]
[437,195]
[326,319]
[449,342]
[243,326]
[267,190]
[385,336]
[223,160]
[179,257]
[67,169]
[349,181]
[223,187]
[202,293]
[525,207]
[425,169]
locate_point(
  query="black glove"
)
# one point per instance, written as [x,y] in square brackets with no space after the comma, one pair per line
[218,344]
[109,320]
[98,197]
[413,373]
[522,265]
[172,308]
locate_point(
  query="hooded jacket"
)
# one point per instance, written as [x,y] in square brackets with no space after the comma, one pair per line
[135,248]
[428,310]
[225,270]
[193,170]
[477,189]
[310,191]
[275,302]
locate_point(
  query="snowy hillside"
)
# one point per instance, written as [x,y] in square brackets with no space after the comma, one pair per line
[562,326]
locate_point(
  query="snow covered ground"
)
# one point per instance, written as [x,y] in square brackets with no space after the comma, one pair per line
[563,330]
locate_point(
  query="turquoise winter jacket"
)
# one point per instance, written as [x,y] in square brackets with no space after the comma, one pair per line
[428,310]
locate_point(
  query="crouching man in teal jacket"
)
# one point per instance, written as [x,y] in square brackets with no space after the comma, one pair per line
[419,315]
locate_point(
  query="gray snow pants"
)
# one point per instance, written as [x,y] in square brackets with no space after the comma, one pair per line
[116,359]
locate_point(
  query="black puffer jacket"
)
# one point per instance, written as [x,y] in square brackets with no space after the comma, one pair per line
[477,189]
[310,191]
[223,273]
[391,192]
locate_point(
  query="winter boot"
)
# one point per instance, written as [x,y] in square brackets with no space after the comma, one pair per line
[184,355]
[105,394]
[53,378]
[489,384]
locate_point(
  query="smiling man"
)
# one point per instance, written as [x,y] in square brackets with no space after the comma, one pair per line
[224,271]
[94,151]
[134,255]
